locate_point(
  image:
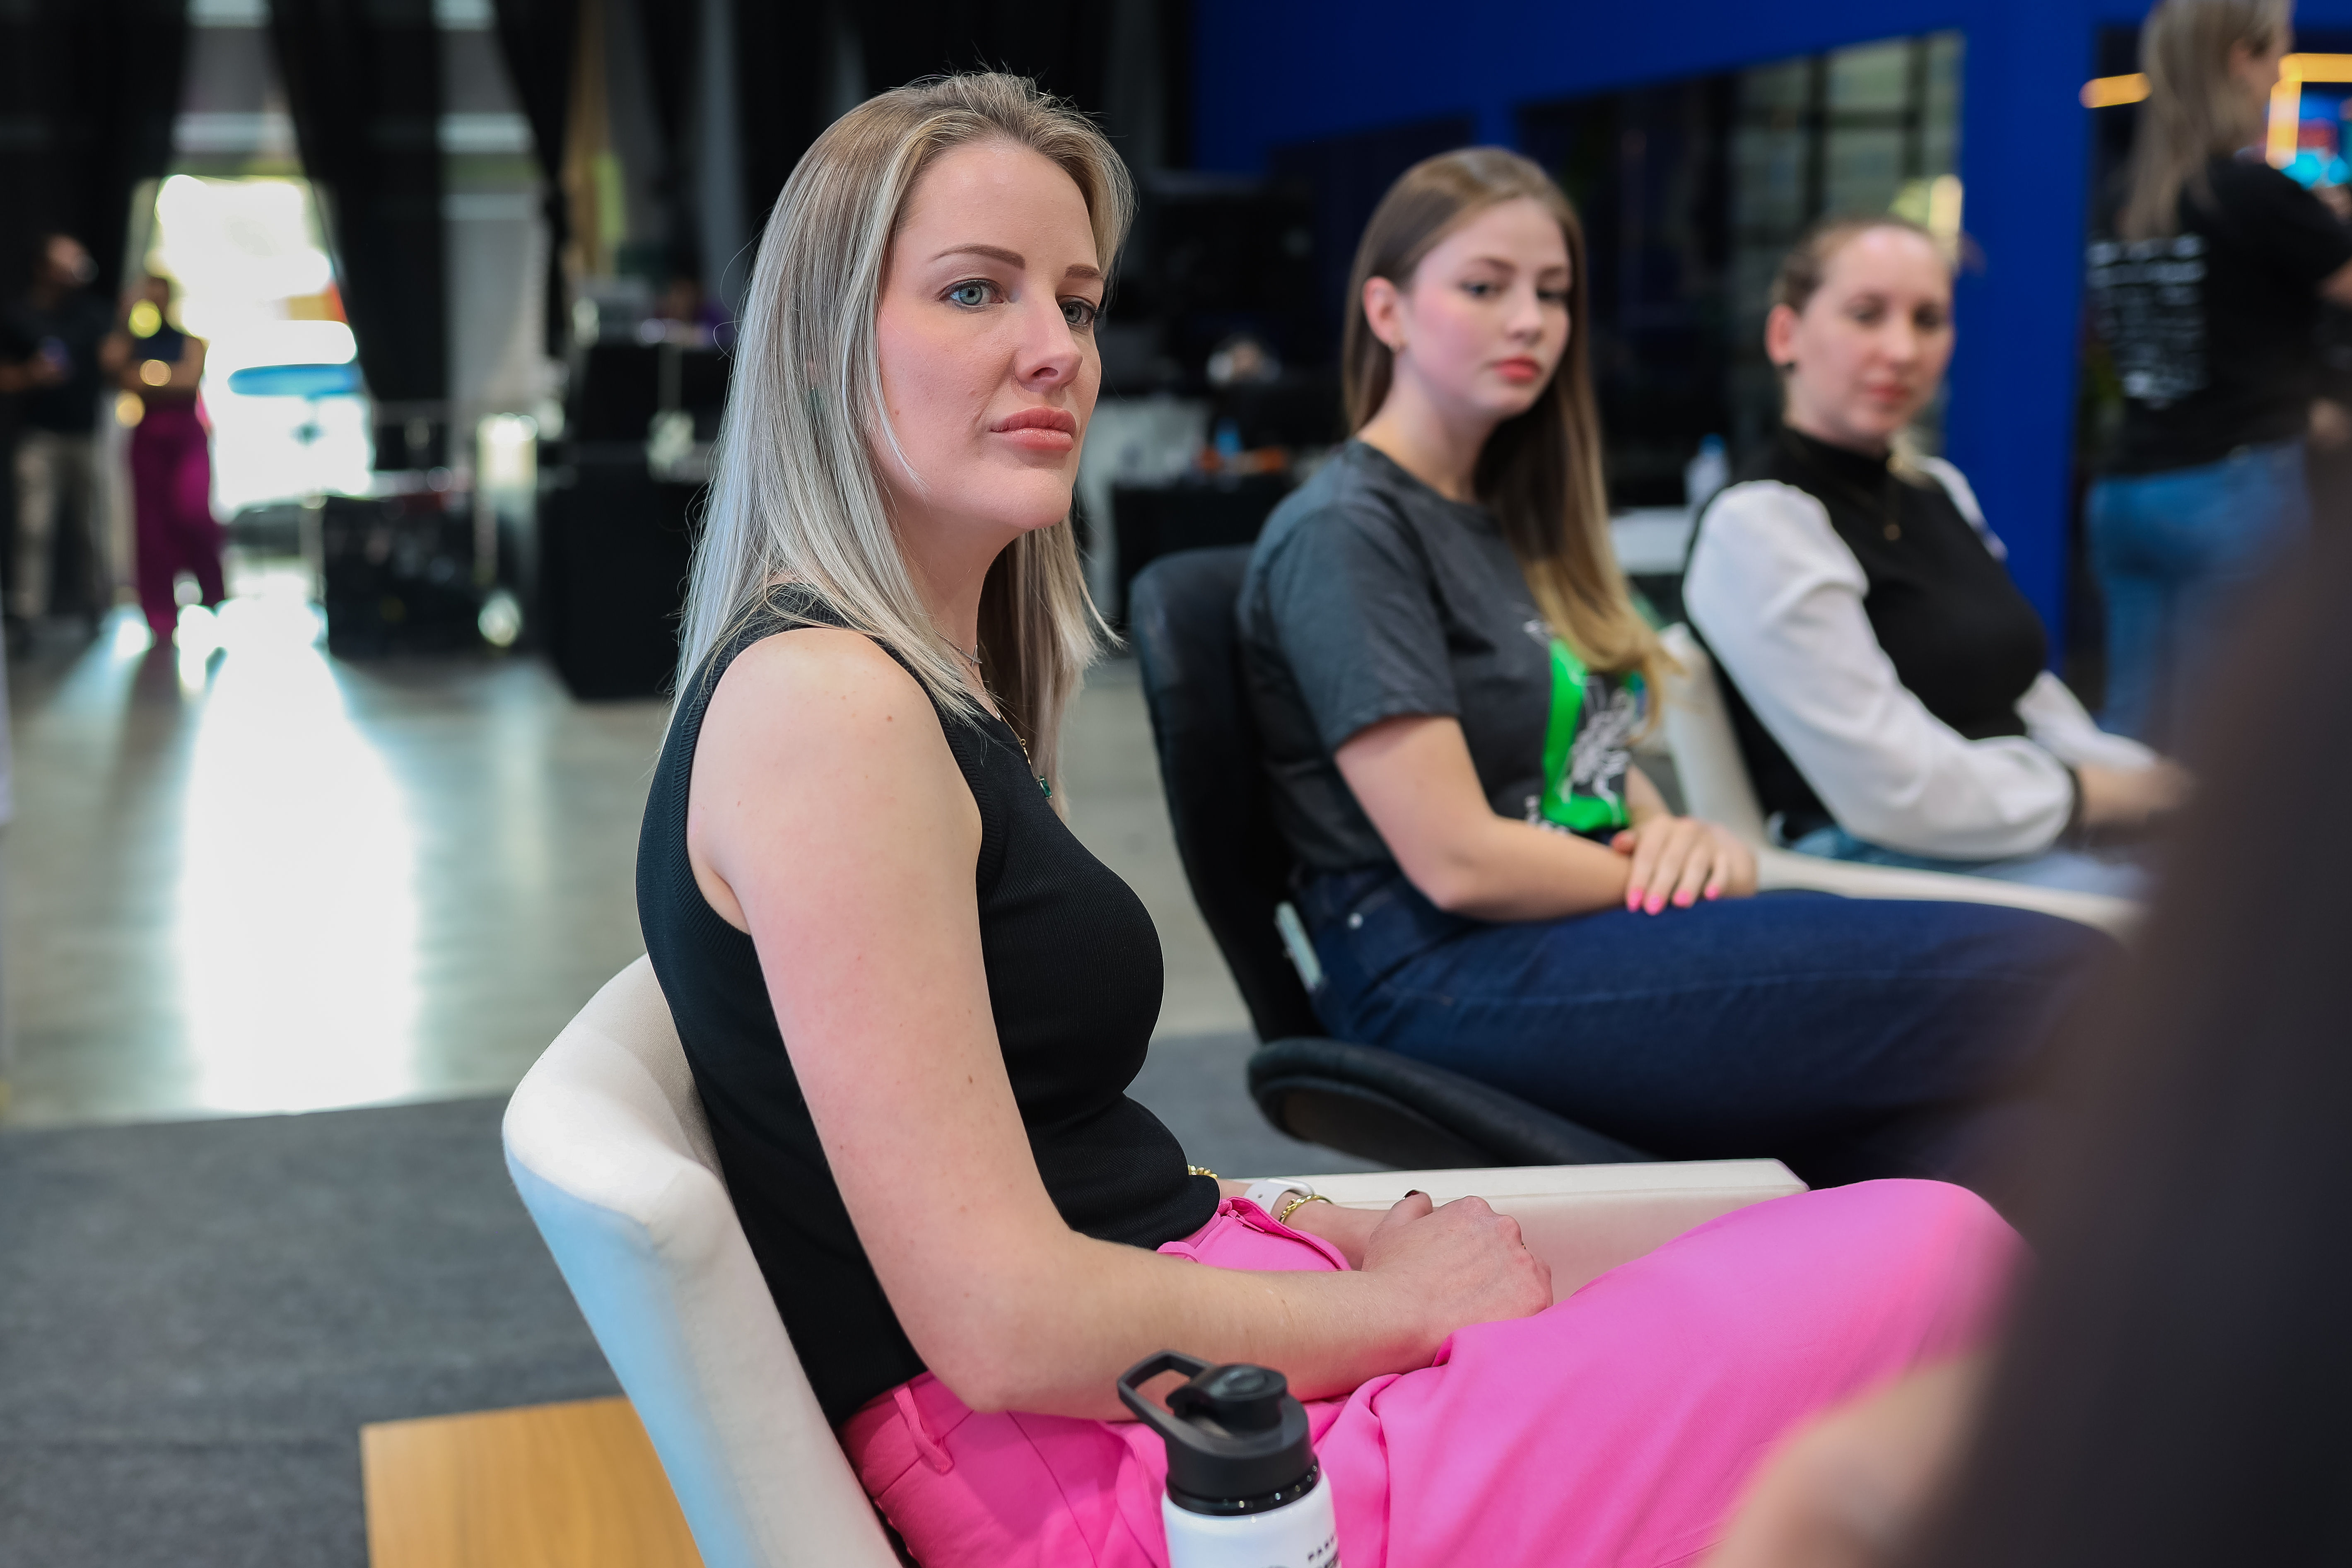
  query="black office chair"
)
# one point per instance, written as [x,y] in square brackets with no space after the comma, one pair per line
[1366,1102]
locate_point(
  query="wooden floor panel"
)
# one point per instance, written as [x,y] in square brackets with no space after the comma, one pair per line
[550,1486]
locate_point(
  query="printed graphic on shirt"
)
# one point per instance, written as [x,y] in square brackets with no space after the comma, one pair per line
[1586,743]
[2149,296]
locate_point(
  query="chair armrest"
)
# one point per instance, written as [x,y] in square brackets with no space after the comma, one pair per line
[1787,868]
[1474,1123]
[1584,1220]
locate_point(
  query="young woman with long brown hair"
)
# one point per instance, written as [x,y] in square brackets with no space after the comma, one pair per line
[1448,672]
[912,1002]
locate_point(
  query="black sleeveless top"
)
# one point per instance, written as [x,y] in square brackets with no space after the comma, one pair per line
[1074,983]
[1961,636]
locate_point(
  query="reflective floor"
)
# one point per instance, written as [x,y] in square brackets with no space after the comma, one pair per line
[249,878]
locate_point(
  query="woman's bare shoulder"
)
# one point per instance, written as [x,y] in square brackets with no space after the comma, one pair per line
[816,686]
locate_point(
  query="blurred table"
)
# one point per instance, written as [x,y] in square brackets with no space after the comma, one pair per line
[1651,542]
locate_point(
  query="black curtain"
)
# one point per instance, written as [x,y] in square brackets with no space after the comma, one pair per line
[1063,44]
[88,89]
[363,86]
[539,39]
[782,50]
[672,31]
[781,71]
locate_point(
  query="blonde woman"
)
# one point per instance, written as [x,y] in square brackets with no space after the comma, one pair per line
[1447,672]
[1887,679]
[913,1003]
[2206,281]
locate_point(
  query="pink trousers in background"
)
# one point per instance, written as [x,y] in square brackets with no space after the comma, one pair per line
[1615,1429]
[171,490]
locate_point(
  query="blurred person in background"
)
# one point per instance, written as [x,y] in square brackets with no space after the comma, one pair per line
[1448,674]
[2172,1388]
[53,349]
[686,317]
[2207,273]
[1885,678]
[171,458]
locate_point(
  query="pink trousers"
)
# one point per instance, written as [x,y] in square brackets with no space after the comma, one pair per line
[171,488]
[1616,1427]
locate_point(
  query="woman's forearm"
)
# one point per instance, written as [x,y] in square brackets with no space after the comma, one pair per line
[1053,1340]
[1498,869]
[1414,777]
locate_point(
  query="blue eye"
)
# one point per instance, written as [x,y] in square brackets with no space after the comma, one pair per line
[970,295]
[1478,290]
[1080,313]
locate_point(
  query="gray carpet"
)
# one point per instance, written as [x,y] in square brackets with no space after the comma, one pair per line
[196,1317]
[1198,1085]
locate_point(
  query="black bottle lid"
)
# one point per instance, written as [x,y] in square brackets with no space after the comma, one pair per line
[1237,1439]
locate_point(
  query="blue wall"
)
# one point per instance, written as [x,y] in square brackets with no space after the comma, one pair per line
[1267,73]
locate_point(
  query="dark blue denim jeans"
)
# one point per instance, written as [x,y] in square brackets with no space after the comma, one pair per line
[2176,553]
[1852,1037]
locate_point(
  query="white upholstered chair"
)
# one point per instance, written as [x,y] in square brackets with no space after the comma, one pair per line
[606,1142]
[1716,785]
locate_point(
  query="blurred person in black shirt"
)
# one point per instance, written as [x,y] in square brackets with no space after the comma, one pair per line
[2207,276]
[53,351]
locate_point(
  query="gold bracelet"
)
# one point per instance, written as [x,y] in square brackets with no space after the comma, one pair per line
[1200,1171]
[1297,1202]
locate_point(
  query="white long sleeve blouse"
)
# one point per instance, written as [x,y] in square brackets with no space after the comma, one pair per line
[1778,597]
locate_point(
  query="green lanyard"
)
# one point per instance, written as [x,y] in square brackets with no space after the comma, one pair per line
[1576,811]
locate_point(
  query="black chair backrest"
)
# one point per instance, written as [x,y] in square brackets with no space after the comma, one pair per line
[1181,620]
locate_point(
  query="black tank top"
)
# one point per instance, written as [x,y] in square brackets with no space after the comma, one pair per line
[1961,636]
[1074,982]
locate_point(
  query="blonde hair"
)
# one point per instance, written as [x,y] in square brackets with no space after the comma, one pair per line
[798,496]
[1540,471]
[1806,267]
[2195,110]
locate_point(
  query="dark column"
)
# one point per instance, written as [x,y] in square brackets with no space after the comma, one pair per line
[88,89]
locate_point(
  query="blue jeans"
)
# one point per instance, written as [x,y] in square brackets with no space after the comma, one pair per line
[1851,1038]
[2173,549]
[2072,870]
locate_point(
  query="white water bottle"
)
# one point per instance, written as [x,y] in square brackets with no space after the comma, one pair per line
[1244,1488]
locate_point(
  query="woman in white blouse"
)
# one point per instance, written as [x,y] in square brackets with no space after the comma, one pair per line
[1886,677]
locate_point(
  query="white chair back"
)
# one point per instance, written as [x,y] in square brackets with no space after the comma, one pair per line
[1713,774]
[606,1142]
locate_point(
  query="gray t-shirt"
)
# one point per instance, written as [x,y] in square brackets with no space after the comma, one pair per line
[1370,595]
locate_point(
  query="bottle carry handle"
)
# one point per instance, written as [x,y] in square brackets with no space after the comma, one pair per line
[1144,1370]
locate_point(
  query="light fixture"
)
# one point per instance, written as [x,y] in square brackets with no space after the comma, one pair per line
[2109,91]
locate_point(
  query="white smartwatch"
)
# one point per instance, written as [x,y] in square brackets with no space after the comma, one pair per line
[1268,1191]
